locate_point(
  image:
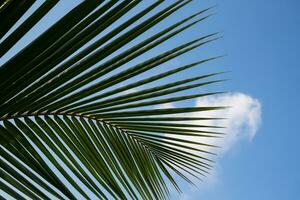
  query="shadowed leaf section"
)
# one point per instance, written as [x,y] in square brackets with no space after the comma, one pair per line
[80,110]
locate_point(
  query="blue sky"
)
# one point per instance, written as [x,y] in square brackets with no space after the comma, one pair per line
[261,41]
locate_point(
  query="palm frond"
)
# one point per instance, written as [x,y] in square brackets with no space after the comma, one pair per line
[79,120]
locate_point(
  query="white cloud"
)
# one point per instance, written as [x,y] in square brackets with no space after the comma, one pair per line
[243,117]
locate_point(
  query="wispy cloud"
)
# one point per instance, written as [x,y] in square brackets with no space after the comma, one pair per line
[243,119]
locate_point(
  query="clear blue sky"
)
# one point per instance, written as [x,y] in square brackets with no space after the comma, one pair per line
[261,39]
[262,42]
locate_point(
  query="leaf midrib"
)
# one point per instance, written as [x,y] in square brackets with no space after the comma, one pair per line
[10,117]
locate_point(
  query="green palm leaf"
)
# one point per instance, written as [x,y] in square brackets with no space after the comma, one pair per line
[71,125]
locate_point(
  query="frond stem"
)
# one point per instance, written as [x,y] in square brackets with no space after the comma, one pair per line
[9,117]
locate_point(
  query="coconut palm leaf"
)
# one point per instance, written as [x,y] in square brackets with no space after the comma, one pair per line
[81,120]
